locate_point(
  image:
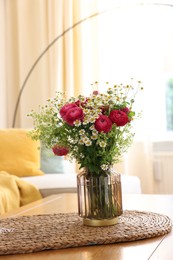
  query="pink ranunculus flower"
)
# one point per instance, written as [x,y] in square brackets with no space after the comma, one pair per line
[104,109]
[125,110]
[119,117]
[59,150]
[73,114]
[65,108]
[95,92]
[81,104]
[78,103]
[103,124]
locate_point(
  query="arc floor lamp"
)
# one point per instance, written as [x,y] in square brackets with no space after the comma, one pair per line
[60,36]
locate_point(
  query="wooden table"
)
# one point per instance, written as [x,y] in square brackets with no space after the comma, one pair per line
[160,248]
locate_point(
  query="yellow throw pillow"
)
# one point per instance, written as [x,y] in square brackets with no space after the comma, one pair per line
[19,154]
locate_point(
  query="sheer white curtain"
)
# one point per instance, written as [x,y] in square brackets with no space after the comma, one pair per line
[133,41]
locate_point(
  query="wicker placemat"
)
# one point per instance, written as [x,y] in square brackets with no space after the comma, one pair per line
[28,234]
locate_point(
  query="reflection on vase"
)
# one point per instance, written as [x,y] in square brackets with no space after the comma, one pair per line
[99,197]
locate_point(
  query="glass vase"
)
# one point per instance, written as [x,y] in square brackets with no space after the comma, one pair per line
[99,198]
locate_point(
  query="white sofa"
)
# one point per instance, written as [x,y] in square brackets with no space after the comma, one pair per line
[53,183]
[23,158]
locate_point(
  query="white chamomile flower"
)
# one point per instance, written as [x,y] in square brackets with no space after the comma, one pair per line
[92,127]
[77,123]
[86,121]
[94,132]
[85,139]
[82,132]
[75,148]
[92,119]
[104,167]
[102,144]
[72,141]
[94,137]
[82,98]
[88,142]
[85,110]
[80,142]
[81,155]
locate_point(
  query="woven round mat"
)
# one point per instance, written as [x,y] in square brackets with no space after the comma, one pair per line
[28,234]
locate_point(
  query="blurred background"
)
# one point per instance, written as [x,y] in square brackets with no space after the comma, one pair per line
[119,40]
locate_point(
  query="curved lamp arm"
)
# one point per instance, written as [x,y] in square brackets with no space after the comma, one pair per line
[41,55]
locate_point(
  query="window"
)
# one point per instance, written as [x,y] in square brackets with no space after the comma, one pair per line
[135,41]
[169,105]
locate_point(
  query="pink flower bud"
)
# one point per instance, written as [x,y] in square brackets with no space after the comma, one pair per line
[60,151]
[95,92]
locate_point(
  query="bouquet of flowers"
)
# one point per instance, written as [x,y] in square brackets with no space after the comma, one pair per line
[95,130]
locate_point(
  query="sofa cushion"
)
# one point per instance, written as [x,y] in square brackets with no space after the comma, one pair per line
[19,154]
[50,163]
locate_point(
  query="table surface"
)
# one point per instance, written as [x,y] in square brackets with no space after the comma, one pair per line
[160,248]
